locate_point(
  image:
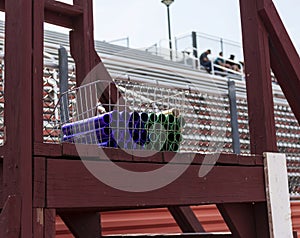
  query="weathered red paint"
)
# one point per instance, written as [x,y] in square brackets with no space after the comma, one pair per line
[186,219]
[51,179]
[17,165]
[37,69]
[10,219]
[258,79]
[65,189]
[75,221]
[285,61]
[159,220]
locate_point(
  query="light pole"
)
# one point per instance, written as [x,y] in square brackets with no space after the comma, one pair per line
[168,3]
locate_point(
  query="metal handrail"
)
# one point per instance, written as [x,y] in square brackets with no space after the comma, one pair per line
[224,70]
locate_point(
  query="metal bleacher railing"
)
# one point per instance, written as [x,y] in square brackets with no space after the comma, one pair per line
[151,84]
[185,48]
[205,41]
[188,60]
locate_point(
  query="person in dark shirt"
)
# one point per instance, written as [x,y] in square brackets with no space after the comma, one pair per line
[234,66]
[204,61]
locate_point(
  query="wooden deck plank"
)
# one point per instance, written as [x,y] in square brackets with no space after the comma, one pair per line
[65,189]
[67,150]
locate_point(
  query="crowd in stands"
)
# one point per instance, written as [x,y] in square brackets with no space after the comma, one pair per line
[220,65]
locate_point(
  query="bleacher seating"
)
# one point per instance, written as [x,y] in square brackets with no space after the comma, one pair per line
[205,102]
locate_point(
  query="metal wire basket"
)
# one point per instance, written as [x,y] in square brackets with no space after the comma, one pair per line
[147,117]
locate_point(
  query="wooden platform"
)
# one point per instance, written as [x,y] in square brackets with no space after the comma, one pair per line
[63,185]
[68,184]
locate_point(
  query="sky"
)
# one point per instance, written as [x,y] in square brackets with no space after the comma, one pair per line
[144,22]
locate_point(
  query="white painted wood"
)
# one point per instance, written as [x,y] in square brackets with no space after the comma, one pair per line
[278,200]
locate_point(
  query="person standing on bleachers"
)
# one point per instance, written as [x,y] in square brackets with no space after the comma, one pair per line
[204,61]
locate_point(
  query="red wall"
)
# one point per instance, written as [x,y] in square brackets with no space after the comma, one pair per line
[160,221]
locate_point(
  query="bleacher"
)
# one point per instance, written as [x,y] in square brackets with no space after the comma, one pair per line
[205,103]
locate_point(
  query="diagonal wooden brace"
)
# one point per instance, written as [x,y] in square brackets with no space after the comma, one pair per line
[186,219]
[82,224]
[285,61]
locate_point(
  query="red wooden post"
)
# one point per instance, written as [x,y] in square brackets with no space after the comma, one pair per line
[82,42]
[260,113]
[37,68]
[18,109]
[258,80]
[85,56]
[23,121]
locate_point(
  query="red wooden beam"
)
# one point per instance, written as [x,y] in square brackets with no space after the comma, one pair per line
[65,9]
[65,189]
[48,150]
[82,224]
[67,150]
[82,42]
[57,7]
[86,58]
[17,169]
[55,18]
[56,13]
[245,219]
[285,61]
[61,14]
[258,79]
[186,219]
